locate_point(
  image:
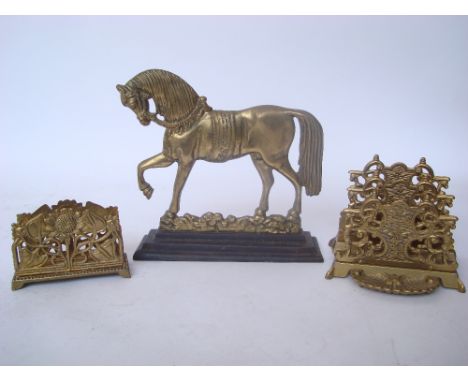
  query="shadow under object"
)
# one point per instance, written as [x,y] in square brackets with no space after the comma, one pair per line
[396,234]
[67,240]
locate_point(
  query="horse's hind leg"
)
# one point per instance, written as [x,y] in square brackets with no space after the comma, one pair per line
[284,167]
[266,174]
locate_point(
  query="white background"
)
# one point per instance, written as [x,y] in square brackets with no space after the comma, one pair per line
[396,86]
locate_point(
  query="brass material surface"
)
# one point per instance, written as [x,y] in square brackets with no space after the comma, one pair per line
[195,131]
[396,234]
[215,222]
[67,240]
[396,280]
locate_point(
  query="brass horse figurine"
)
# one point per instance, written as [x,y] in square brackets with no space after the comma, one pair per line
[195,131]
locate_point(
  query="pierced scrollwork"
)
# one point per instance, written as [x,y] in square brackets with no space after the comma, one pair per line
[67,240]
[397,217]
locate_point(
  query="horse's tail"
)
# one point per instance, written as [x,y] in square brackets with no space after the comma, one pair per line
[310,152]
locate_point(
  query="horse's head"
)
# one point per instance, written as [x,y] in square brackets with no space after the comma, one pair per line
[137,101]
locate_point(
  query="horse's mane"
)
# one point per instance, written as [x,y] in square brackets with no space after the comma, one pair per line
[174,97]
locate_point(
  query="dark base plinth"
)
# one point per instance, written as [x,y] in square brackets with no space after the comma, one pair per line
[228,246]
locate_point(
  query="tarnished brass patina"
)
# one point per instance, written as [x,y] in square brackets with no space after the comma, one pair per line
[396,234]
[195,131]
[66,241]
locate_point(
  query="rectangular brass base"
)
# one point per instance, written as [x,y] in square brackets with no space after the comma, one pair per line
[123,270]
[395,279]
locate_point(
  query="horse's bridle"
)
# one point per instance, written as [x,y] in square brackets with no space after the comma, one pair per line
[200,108]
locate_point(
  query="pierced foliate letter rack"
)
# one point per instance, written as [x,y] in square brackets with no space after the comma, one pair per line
[65,241]
[395,236]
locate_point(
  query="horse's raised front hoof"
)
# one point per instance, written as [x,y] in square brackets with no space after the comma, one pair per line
[148,191]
